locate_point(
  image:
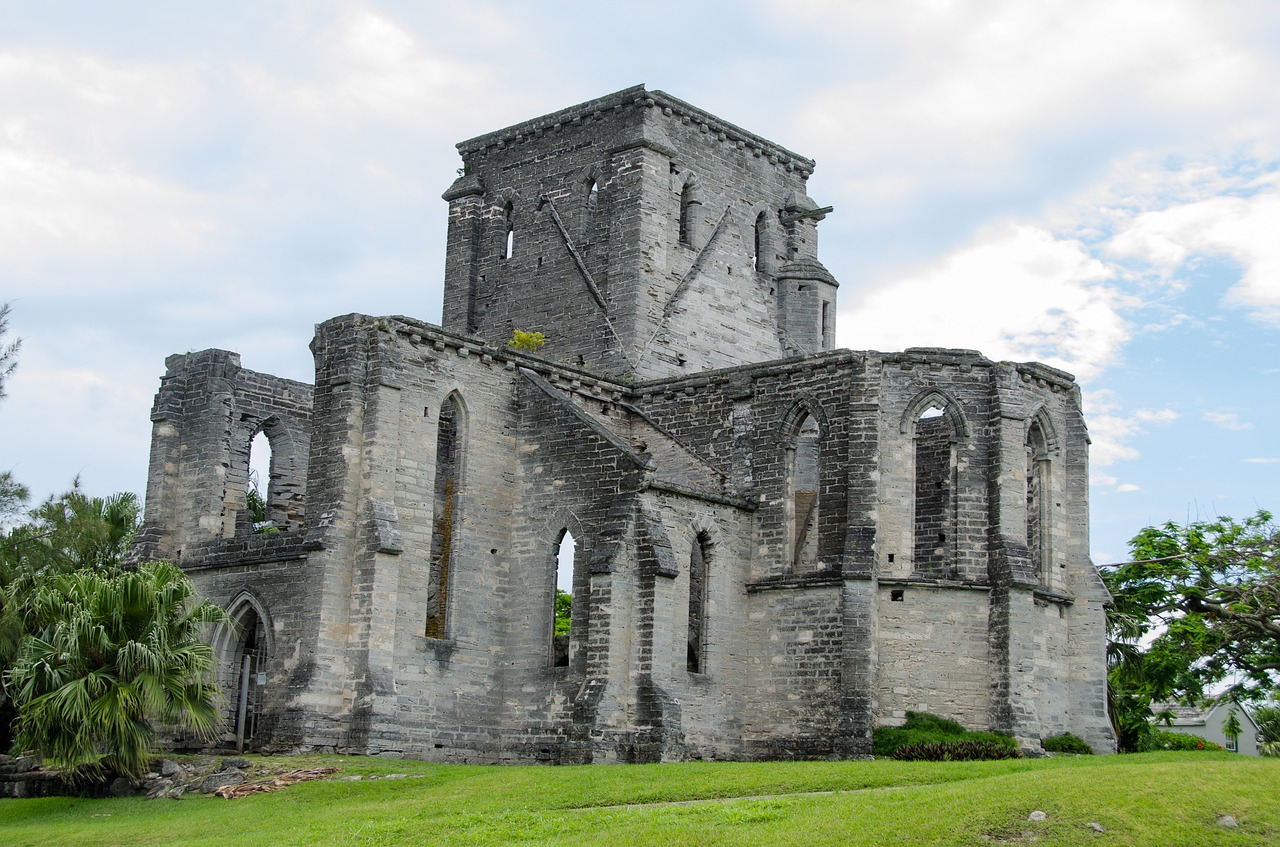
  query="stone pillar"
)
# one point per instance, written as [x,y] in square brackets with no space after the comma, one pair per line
[190,454]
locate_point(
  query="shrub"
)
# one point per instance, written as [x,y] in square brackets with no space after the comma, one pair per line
[1067,743]
[1165,740]
[955,751]
[527,341]
[924,728]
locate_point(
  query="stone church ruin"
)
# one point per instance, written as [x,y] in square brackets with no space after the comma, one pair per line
[776,545]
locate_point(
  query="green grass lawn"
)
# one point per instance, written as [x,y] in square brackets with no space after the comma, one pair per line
[1157,799]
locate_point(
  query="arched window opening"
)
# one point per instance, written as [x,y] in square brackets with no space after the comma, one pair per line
[805,488]
[259,494]
[590,211]
[250,665]
[509,245]
[934,494]
[562,604]
[686,212]
[758,243]
[444,525]
[699,560]
[1037,501]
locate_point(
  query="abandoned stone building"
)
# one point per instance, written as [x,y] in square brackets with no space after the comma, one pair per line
[776,545]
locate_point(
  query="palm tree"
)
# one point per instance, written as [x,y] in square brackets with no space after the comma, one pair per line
[109,655]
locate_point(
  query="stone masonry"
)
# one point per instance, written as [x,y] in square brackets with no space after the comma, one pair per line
[778,545]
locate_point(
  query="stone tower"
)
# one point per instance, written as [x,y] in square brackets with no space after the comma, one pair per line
[642,236]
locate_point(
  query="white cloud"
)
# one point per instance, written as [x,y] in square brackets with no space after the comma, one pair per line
[1016,293]
[1243,228]
[1129,486]
[72,193]
[968,89]
[1156,416]
[1227,420]
[1263,461]
[1111,431]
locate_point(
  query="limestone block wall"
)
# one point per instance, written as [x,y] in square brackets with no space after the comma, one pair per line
[795,669]
[933,654]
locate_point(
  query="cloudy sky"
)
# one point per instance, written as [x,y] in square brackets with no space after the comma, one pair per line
[1095,185]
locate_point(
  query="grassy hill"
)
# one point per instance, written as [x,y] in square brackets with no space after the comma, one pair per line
[1152,799]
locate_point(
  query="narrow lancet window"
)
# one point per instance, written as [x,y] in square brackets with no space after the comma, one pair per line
[448,470]
[805,496]
[562,602]
[508,215]
[934,494]
[686,212]
[758,243]
[1037,501]
[695,661]
[590,212]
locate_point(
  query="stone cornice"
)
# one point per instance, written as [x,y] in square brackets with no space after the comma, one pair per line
[673,108]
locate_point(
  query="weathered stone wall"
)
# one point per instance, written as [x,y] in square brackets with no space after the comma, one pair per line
[933,654]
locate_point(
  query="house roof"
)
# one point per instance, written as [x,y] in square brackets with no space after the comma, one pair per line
[1194,715]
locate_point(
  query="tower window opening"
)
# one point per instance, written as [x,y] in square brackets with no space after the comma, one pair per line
[686,210]
[510,243]
[591,210]
[758,243]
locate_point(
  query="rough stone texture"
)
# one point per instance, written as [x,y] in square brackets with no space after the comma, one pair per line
[859,554]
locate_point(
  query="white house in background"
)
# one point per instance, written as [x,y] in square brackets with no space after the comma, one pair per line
[1207,724]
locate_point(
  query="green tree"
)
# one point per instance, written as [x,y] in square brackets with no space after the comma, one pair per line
[8,352]
[1268,720]
[66,533]
[564,610]
[107,656]
[13,495]
[1197,608]
[1209,593]
[70,531]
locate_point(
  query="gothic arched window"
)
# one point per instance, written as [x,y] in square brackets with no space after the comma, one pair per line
[699,562]
[1038,497]
[805,496]
[935,483]
[448,486]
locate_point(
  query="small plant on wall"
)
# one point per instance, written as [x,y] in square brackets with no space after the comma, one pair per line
[527,341]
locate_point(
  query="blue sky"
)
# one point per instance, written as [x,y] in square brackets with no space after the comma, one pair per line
[1092,184]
